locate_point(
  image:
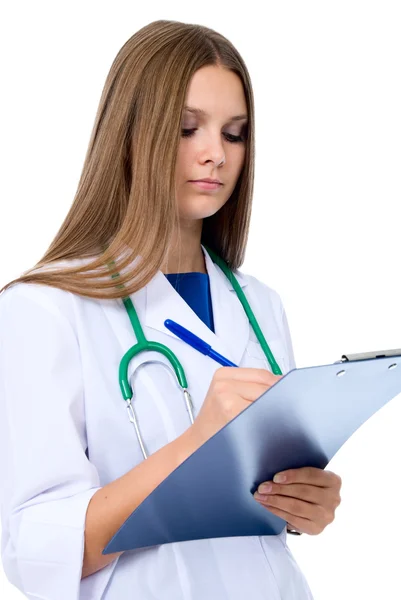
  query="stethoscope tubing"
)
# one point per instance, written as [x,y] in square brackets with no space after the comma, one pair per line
[145,345]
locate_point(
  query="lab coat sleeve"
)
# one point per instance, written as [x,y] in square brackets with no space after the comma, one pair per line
[46,479]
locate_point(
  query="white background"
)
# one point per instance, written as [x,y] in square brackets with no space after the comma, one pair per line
[326,222]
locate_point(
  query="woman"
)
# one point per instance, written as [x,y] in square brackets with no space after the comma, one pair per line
[177,106]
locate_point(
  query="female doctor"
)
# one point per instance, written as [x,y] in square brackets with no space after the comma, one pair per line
[177,107]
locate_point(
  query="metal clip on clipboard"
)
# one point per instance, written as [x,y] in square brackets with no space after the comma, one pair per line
[369,355]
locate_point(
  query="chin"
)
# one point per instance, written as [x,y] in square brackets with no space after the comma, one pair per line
[196,216]
[201,211]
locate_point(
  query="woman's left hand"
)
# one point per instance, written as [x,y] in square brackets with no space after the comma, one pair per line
[307,499]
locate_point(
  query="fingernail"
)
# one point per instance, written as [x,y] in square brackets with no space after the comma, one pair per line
[259,497]
[279,478]
[265,488]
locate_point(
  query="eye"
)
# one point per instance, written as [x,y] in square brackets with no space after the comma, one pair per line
[234,139]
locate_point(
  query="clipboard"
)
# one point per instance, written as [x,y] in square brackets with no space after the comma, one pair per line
[303,420]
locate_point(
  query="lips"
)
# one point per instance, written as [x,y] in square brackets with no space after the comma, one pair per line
[206,185]
[208,181]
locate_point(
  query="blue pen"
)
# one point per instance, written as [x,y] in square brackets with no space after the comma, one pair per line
[194,341]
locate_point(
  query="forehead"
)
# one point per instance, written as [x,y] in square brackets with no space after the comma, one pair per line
[216,91]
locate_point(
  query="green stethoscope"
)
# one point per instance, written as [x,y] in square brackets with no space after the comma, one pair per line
[144,345]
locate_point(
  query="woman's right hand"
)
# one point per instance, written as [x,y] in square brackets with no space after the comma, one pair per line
[231,391]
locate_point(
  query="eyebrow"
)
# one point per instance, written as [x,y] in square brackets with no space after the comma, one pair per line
[203,113]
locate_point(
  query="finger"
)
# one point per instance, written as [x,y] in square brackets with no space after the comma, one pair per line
[310,476]
[293,507]
[305,492]
[246,390]
[262,376]
[249,391]
[299,523]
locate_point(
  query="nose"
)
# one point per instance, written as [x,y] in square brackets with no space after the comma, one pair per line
[213,149]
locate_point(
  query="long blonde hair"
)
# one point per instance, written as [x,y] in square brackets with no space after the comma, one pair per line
[125,205]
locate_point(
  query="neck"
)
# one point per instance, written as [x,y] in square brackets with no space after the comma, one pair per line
[185,254]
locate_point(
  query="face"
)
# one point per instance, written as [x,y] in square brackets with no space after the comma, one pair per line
[212,142]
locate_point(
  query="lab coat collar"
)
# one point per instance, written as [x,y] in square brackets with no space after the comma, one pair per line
[230,321]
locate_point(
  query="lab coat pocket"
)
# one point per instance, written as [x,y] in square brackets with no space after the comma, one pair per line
[256,354]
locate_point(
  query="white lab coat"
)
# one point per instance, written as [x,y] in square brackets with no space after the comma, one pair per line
[64,433]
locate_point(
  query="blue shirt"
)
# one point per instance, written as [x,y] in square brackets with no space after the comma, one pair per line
[194,288]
